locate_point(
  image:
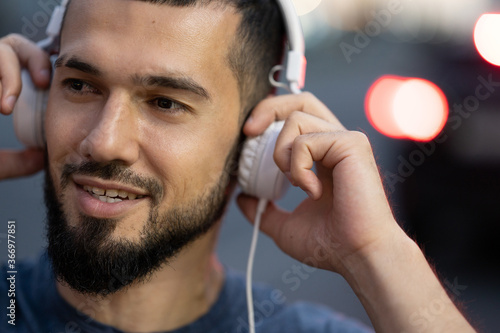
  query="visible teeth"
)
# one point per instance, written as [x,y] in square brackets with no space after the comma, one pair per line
[111,196]
[112,193]
[98,191]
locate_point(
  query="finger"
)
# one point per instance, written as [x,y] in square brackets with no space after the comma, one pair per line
[10,75]
[20,163]
[280,107]
[306,150]
[272,219]
[17,51]
[298,123]
[331,150]
[32,57]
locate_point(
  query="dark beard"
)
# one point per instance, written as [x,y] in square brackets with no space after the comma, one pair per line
[86,257]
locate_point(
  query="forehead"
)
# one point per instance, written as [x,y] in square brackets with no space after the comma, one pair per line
[129,35]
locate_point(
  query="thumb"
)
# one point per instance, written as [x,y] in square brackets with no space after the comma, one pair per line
[273,217]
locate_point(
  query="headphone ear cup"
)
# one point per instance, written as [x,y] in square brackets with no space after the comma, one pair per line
[258,175]
[29,113]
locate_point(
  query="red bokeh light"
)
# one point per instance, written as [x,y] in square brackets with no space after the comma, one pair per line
[406,108]
[378,105]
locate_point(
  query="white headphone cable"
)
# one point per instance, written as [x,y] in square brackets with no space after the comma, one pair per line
[261,207]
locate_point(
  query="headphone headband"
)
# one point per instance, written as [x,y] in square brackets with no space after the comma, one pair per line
[296,63]
[296,60]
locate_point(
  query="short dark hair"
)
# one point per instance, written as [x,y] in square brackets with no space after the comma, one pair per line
[258,46]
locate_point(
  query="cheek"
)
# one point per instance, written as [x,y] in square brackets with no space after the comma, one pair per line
[192,162]
[65,127]
[56,135]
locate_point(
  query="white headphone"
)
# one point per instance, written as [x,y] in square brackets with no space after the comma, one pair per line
[258,174]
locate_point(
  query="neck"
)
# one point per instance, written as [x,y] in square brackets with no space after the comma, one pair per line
[174,296]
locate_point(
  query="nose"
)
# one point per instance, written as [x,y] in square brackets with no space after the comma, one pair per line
[114,134]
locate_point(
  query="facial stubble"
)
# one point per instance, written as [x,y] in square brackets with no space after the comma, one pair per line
[86,257]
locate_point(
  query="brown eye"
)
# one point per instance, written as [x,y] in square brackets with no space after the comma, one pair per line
[164,103]
[76,85]
[79,87]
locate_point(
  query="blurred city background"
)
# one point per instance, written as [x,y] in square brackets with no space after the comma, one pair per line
[421,79]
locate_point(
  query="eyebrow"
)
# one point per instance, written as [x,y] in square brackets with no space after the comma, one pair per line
[173,82]
[148,81]
[79,65]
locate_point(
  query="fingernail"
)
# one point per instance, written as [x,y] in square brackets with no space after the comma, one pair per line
[11,101]
[309,194]
[250,120]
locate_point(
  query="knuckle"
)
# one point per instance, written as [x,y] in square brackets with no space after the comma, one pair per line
[359,138]
[300,141]
[13,40]
[275,110]
[295,116]
[308,95]
[308,99]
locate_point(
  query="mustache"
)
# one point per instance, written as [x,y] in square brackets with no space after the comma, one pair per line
[114,171]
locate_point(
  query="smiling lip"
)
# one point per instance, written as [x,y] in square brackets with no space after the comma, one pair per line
[104,199]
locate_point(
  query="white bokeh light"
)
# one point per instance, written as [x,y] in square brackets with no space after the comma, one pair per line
[486,37]
[420,109]
[304,7]
[406,108]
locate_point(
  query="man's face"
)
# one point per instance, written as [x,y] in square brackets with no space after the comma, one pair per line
[143,114]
